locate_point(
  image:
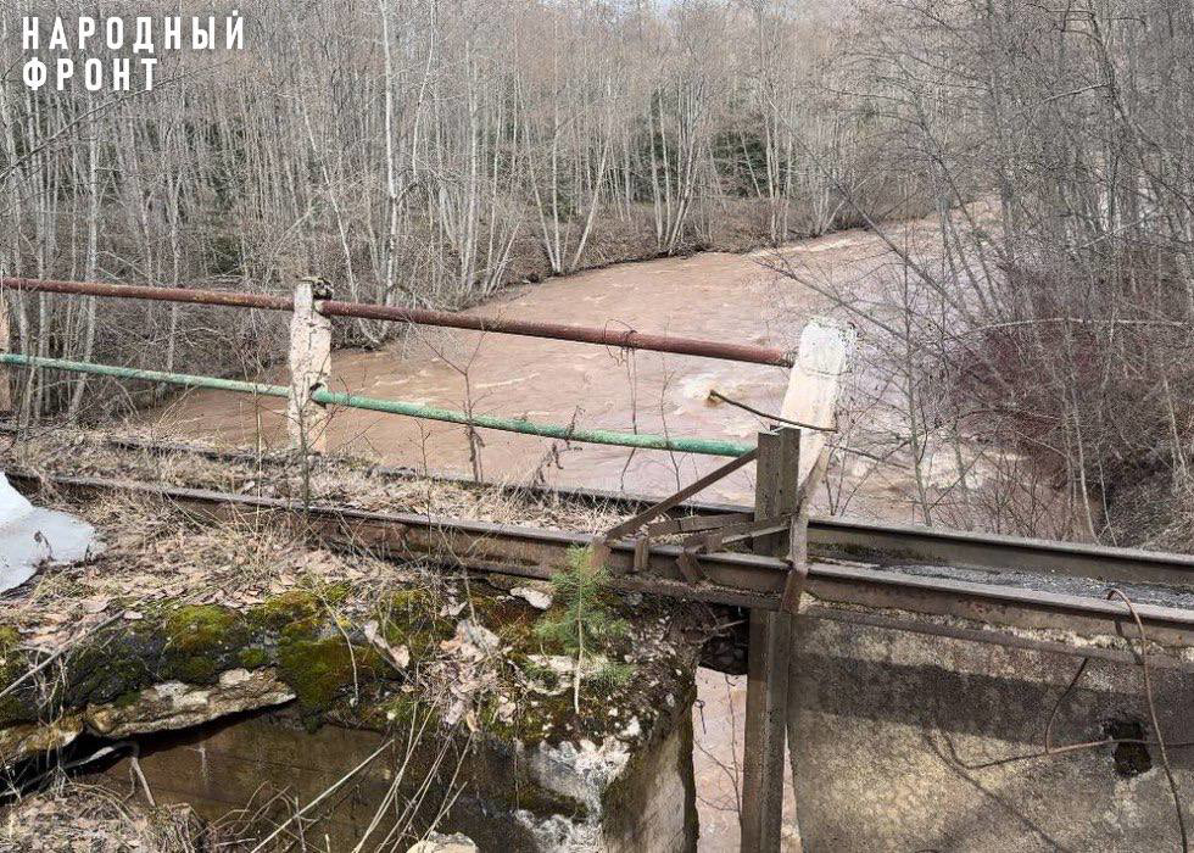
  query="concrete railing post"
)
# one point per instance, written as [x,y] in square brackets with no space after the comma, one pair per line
[5,347]
[814,384]
[310,366]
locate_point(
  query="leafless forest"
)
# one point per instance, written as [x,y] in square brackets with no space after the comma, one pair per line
[426,153]
[429,153]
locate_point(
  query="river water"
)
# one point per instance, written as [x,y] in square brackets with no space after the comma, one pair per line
[713,295]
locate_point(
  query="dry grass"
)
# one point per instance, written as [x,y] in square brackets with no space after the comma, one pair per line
[350,482]
[156,552]
[74,817]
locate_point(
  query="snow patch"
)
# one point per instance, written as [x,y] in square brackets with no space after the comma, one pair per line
[31,536]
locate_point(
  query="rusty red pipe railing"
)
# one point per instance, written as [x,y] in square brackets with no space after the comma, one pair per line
[626,338]
[157,294]
[621,338]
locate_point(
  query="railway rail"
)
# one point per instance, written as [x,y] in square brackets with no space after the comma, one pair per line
[874,593]
[852,538]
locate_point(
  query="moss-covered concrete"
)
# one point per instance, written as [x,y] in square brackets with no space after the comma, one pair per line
[194,644]
[12,665]
[336,651]
[329,664]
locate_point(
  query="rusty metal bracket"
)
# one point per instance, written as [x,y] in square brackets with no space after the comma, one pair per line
[717,531]
[794,588]
[634,524]
[737,531]
[687,562]
[730,530]
[708,533]
[645,525]
[695,523]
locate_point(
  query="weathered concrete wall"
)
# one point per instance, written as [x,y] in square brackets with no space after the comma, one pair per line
[565,799]
[656,808]
[891,730]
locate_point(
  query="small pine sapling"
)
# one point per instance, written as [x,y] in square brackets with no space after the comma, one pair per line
[582,621]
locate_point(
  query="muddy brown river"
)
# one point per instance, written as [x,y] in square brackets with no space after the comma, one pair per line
[713,295]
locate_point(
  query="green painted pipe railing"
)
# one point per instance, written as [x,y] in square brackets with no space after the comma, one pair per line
[644,441]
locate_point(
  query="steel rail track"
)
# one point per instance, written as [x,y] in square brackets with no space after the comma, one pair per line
[743,580]
[850,538]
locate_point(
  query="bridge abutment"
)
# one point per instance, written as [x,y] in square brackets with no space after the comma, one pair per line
[904,741]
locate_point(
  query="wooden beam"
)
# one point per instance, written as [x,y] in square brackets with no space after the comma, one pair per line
[777,493]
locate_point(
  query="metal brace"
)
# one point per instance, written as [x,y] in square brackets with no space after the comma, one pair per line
[733,528]
[707,533]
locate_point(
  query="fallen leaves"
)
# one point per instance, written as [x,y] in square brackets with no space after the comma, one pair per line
[473,642]
[94,605]
[399,656]
[469,670]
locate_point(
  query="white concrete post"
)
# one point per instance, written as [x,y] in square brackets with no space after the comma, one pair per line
[310,366]
[5,347]
[826,348]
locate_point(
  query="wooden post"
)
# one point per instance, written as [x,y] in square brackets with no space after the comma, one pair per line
[5,347]
[777,492]
[310,366]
